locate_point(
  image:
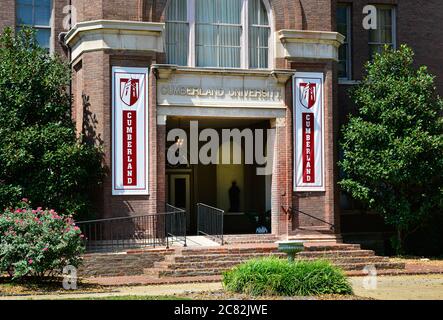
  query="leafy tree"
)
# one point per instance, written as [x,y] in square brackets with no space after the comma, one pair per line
[41,157]
[393,146]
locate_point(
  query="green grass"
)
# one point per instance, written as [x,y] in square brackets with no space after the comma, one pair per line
[278,277]
[129,297]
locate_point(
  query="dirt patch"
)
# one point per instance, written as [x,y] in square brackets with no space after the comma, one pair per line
[29,287]
[224,295]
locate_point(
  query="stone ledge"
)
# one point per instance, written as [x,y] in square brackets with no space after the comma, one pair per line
[165,71]
[312,45]
[115,35]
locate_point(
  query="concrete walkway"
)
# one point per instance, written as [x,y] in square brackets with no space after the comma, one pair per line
[160,290]
[418,287]
[384,287]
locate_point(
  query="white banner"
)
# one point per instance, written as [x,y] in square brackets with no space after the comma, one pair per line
[130,131]
[308,131]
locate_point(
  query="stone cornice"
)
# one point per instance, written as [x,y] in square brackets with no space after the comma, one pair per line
[116,35]
[164,71]
[303,44]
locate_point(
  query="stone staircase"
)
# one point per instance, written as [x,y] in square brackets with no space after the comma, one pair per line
[214,261]
[209,261]
[349,257]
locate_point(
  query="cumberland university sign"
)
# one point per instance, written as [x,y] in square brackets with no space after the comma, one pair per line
[220,91]
[308,132]
[129,131]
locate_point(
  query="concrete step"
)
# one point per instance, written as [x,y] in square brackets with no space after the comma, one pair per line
[250,238]
[224,257]
[336,253]
[331,247]
[198,265]
[211,264]
[230,250]
[163,273]
[218,270]
[379,265]
[351,260]
[251,241]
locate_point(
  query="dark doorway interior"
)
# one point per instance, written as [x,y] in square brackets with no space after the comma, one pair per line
[211,184]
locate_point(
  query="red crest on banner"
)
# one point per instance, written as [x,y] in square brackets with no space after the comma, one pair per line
[129,91]
[308,94]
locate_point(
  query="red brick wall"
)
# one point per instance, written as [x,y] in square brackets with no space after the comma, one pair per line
[7,19]
[418,26]
[7,14]
[59,27]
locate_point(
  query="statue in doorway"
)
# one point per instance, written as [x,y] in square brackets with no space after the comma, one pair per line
[234,197]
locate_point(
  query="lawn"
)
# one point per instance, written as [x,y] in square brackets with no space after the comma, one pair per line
[133,297]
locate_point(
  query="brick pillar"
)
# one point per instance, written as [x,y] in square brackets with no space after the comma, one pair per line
[323,205]
[161,162]
[280,171]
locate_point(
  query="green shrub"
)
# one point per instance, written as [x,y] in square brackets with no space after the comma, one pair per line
[273,276]
[41,156]
[37,242]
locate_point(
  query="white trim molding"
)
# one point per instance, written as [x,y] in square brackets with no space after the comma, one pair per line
[116,35]
[302,44]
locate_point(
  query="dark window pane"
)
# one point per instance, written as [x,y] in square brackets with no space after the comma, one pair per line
[177,32]
[384,34]
[25,14]
[43,36]
[343,27]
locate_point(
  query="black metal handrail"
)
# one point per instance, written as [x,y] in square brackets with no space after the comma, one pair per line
[176,224]
[122,233]
[210,221]
[296,212]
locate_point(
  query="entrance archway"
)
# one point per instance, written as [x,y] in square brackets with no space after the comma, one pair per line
[213,183]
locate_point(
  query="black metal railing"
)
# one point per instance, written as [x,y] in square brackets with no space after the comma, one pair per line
[295,216]
[123,233]
[210,222]
[176,224]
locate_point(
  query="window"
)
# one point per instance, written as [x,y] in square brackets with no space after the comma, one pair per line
[36,14]
[218,33]
[178,30]
[258,35]
[385,32]
[344,53]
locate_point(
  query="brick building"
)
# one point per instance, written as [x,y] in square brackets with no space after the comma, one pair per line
[226,64]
